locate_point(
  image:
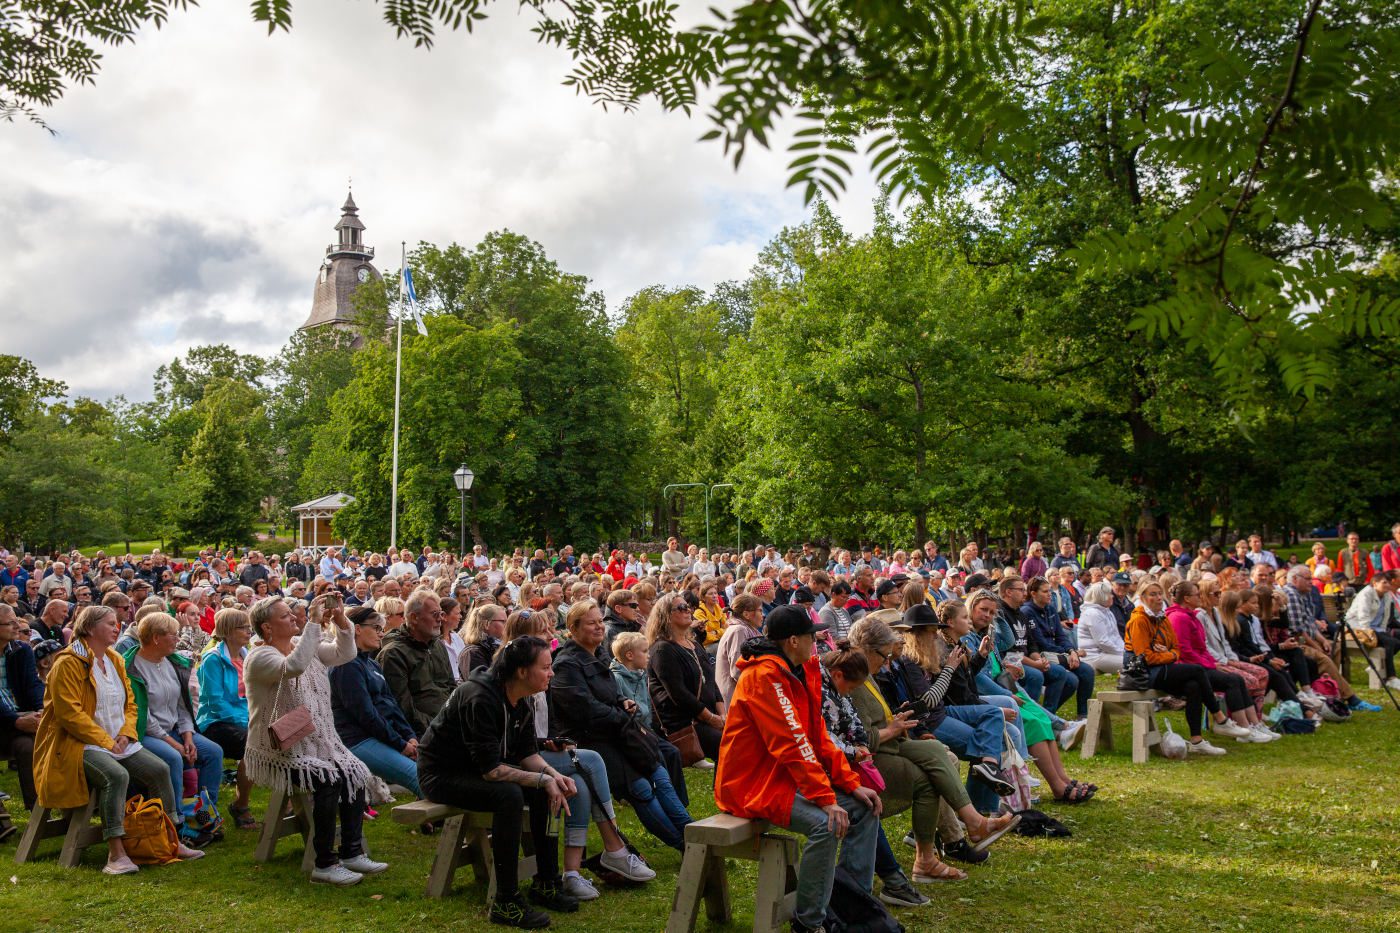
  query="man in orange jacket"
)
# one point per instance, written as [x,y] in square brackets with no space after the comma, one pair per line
[777,763]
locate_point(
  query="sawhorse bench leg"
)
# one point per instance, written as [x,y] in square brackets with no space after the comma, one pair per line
[702,876]
[1098,731]
[1145,734]
[460,841]
[278,823]
[777,875]
[75,826]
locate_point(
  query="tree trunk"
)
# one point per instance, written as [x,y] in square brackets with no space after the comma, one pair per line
[920,528]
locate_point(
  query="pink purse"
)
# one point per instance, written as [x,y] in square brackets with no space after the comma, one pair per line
[292,726]
[870,775]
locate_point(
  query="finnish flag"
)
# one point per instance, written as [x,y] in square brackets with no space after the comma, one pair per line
[413,302]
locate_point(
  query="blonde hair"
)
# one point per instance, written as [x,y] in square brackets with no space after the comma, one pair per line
[628,641]
[577,611]
[476,622]
[388,606]
[89,619]
[157,623]
[226,621]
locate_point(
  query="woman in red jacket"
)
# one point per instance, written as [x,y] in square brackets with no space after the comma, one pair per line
[1191,643]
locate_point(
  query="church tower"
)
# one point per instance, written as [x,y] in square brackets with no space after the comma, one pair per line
[347,266]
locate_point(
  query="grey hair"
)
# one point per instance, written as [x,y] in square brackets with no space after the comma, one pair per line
[1100,594]
[873,634]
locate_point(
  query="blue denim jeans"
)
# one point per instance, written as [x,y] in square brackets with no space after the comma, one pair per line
[584,808]
[1061,683]
[659,808]
[388,763]
[974,733]
[209,763]
[817,866]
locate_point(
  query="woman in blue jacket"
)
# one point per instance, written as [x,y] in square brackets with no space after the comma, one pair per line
[223,701]
[1067,676]
[367,715]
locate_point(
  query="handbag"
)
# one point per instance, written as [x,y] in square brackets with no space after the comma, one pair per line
[150,835]
[1135,675]
[870,776]
[639,746]
[688,744]
[292,726]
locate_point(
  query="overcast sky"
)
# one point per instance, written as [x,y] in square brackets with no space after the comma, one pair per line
[190,194]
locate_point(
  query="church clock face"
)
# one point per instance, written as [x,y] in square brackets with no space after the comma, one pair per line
[363,274]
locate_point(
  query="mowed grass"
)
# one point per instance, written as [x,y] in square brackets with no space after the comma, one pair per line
[1301,834]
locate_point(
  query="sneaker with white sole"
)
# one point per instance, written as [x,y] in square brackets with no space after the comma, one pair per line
[1309,699]
[1072,733]
[337,874]
[1203,748]
[1393,683]
[364,865]
[1230,728]
[1253,735]
[121,866]
[627,865]
[704,764]
[579,887]
[1268,734]
[898,892]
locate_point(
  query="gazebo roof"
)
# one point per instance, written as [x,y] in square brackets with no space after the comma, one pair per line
[336,500]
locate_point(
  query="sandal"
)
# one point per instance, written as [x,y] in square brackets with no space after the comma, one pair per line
[939,873]
[996,828]
[1092,788]
[1074,793]
[242,817]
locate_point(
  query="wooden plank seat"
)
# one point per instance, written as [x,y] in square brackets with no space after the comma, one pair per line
[75,826]
[1139,704]
[465,837]
[1377,656]
[708,843]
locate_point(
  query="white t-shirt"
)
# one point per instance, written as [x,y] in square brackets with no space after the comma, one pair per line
[403,567]
[110,713]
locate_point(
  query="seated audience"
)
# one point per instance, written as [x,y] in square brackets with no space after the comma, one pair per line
[1100,641]
[485,626]
[21,702]
[415,662]
[223,704]
[367,717]
[681,675]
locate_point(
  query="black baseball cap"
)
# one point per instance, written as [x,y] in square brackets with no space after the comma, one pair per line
[885,587]
[786,621]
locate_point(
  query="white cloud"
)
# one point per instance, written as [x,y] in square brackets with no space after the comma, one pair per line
[191,193]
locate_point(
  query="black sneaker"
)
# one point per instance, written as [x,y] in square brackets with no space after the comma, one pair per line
[989,776]
[960,851]
[514,912]
[550,895]
[898,892]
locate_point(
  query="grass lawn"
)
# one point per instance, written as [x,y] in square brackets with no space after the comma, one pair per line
[1301,834]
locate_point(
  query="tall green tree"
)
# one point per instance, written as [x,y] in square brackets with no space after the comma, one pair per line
[23,393]
[311,368]
[219,483]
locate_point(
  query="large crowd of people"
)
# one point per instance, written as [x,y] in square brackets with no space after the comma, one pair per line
[823,690]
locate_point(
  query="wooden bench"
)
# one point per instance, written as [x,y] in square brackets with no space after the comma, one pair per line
[708,843]
[278,822]
[1377,656]
[1098,731]
[465,837]
[75,826]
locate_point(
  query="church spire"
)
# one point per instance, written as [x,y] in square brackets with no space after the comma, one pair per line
[346,267]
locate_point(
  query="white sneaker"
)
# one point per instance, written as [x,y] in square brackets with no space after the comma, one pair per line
[1253,735]
[579,887]
[121,866]
[1230,728]
[1203,748]
[364,865]
[187,854]
[1072,733]
[1393,683]
[1269,734]
[337,874]
[1033,781]
[627,865]
[1309,699]
[704,764]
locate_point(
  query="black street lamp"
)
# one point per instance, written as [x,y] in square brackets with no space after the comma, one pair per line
[463,478]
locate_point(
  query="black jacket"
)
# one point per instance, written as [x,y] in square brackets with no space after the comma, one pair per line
[616,625]
[585,706]
[682,684]
[475,731]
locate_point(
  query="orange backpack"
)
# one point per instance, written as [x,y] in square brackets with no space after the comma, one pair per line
[150,835]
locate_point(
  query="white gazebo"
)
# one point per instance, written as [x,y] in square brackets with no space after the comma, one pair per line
[314,522]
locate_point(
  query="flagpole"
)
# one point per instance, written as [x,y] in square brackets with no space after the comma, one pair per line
[398,369]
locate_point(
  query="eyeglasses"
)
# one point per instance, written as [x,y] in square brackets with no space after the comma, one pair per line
[631,605]
[377,626]
[685,609]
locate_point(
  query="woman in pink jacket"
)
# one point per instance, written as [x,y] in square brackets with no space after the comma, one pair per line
[1191,643]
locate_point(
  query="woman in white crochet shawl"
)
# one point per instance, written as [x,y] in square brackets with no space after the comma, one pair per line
[318,764]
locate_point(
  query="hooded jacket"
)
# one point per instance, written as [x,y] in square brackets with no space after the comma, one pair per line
[476,730]
[67,725]
[775,743]
[419,673]
[218,689]
[1190,636]
[363,705]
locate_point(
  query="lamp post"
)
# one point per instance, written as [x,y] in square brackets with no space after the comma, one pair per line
[463,478]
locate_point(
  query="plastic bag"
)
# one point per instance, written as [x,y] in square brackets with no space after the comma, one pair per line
[1172,745]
